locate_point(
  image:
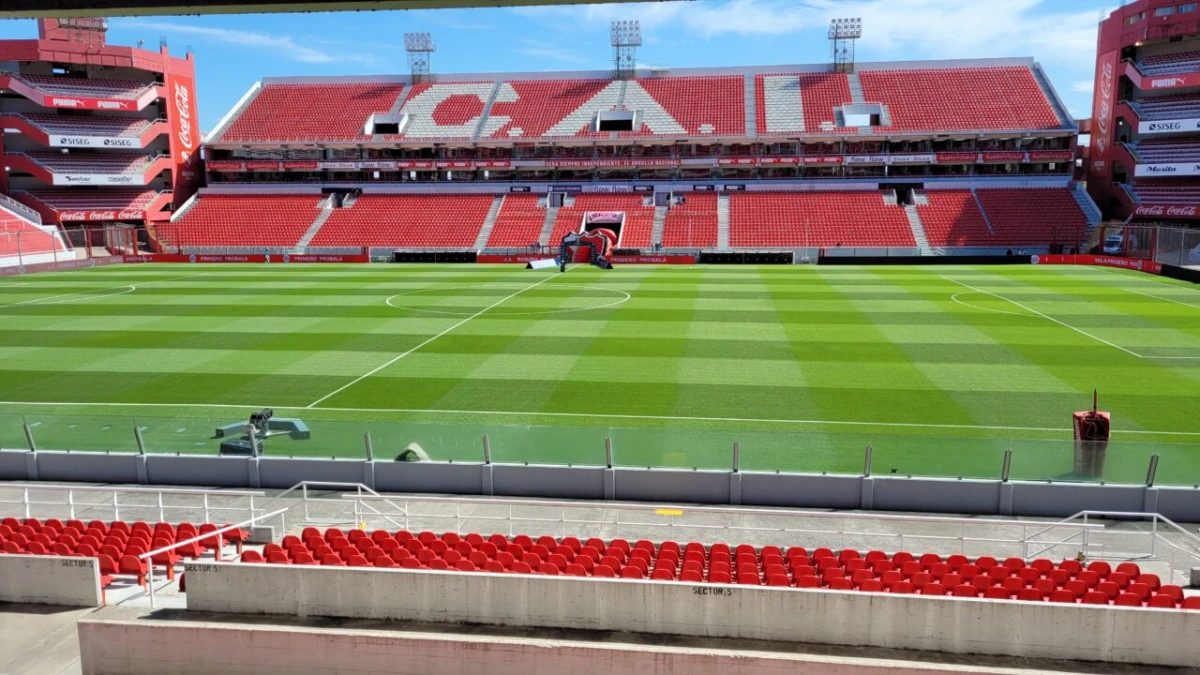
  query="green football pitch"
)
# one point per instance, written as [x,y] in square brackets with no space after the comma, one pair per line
[939,369]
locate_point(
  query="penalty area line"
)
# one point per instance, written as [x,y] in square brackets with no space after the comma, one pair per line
[613,416]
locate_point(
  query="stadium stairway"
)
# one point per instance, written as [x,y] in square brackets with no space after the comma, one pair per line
[918,230]
[660,219]
[1086,204]
[723,221]
[489,222]
[856,90]
[326,211]
[548,225]
[1048,92]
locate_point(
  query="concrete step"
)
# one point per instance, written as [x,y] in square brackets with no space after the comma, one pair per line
[660,219]
[751,108]
[548,226]
[489,223]
[313,229]
[1089,208]
[918,230]
[982,210]
[723,221]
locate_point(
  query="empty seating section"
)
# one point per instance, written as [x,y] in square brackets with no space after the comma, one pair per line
[636,231]
[1068,581]
[92,161]
[449,110]
[820,93]
[297,112]
[1168,150]
[816,219]
[73,125]
[714,104]
[19,237]
[100,199]
[245,220]
[965,99]
[532,108]
[1033,216]
[692,224]
[1169,107]
[1169,64]
[953,218]
[407,221]
[519,222]
[1182,191]
[117,544]
[74,86]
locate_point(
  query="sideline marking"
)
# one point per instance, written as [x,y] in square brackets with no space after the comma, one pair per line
[1157,297]
[672,418]
[131,288]
[394,360]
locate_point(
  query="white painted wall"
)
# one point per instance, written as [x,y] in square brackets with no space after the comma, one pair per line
[50,580]
[954,625]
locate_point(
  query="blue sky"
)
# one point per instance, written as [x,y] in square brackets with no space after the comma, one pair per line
[235,50]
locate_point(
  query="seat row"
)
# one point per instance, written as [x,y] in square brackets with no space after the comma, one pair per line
[772,566]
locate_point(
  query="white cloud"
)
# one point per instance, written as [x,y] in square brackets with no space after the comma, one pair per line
[545,50]
[1082,86]
[283,45]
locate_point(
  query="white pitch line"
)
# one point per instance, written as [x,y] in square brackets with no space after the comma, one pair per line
[1156,297]
[665,418]
[131,288]
[1048,318]
[435,337]
[986,309]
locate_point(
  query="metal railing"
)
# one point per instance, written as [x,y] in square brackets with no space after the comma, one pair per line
[308,499]
[73,500]
[718,524]
[1184,553]
[21,209]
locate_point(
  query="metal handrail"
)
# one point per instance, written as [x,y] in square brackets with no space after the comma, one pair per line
[199,537]
[115,504]
[359,489]
[21,209]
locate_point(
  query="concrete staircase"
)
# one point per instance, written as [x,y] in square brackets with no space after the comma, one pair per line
[856,90]
[1089,208]
[751,107]
[660,220]
[982,210]
[326,211]
[548,226]
[1048,91]
[918,230]
[488,223]
[400,100]
[723,221]
[487,111]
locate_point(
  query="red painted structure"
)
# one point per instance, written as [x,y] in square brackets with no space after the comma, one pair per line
[1144,160]
[104,133]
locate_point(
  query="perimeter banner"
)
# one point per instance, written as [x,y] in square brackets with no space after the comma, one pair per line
[286,258]
[1148,266]
[616,259]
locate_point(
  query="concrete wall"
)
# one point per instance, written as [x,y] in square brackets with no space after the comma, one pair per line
[50,580]
[960,626]
[880,493]
[125,647]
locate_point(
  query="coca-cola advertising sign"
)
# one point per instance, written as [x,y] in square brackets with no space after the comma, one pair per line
[82,216]
[185,135]
[1185,211]
[1102,110]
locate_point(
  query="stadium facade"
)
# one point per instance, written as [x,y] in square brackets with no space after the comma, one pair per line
[1144,159]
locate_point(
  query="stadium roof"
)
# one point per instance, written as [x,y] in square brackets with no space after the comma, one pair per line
[35,9]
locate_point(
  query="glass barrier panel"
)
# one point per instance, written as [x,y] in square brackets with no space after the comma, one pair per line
[934,456]
[577,446]
[439,442]
[12,434]
[801,452]
[82,433]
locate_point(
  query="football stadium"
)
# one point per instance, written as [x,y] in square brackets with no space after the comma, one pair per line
[841,367]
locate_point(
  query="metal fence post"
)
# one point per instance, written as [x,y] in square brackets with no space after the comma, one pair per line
[1004,470]
[867,462]
[1152,470]
[487,450]
[29,436]
[737,456]
[253,436]
[370,448]
[608,452]
[137,434]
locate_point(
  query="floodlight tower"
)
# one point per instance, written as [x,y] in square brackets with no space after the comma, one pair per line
[843,34]
[420,50]
[626,37]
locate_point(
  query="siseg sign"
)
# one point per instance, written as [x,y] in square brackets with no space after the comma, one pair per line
[92,142]
[1169,126]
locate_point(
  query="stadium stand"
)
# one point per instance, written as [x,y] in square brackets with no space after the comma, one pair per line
[298,112]
[1168,150]
[818,219]
[704,105]
[95,88]
[953,218]
[639,219]
[92,161]
[20,237]
[120,127]
[929,574]
[1033,217]
[1169,107]
[1170,64]
[534,108]
[519,222]
[692,224]
[960,99]
[244,220]
[821,93]
[407,221]
[450,110]
[1183,191]
[77,199]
